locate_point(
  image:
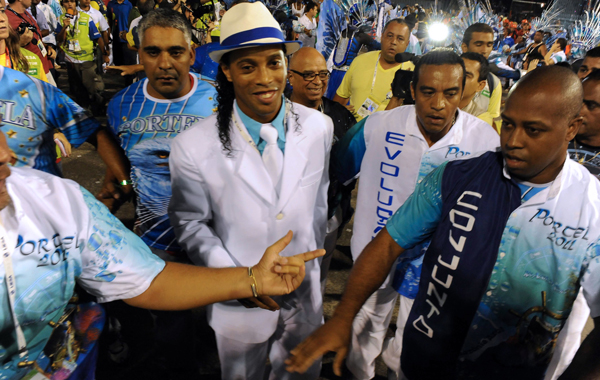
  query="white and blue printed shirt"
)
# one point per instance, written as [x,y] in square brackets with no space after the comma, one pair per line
[62,235]
[391,155]
[145,127]
[550,246]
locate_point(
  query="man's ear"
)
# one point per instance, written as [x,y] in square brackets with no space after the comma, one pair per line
[192,55]
[412,90]
[481,85]
[573,128]
[226,71]
[464,47]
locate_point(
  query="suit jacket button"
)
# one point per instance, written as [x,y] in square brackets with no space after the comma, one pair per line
[279,216]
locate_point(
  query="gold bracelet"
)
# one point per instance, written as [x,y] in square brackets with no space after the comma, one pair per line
[253,286]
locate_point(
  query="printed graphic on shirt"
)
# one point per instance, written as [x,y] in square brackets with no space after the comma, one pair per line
[30,111]
[542,258]
[145,128]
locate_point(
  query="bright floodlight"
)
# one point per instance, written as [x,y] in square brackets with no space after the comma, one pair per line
[438,31]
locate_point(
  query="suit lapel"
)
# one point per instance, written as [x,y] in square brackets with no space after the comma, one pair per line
[294,163]
[250,167]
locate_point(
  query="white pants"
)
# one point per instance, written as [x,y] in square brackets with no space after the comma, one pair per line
[369,329]
[392,347]
[569,338]
[241,361]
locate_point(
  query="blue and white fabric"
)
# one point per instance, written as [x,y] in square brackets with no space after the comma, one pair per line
[145,126]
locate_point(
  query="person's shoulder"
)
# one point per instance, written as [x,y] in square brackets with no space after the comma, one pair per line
[471,122]
[397,117]
[312,122]
[580,179]
[127,95]
[27,85]
[134,22]
[203,87]
[337,108]
[28,182]
[365,59]
[202,133]
[368,56]
[306,114]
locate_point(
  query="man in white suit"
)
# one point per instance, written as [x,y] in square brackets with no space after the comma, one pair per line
[245,176]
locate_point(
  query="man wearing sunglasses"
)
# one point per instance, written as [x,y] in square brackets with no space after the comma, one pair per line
[309,77]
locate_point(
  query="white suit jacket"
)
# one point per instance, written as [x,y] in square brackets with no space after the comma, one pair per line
[226,213]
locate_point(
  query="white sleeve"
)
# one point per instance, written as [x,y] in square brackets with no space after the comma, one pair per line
[103,23]
[116,263]
[190,211]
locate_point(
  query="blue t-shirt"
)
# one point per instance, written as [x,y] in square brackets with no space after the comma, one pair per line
[31,110]
[145,127]
[120,14]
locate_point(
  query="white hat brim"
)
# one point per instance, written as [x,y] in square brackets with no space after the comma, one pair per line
[290,48]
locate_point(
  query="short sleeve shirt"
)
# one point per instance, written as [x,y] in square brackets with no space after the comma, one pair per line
[358,81]
[61,235]
[145,127]
[97,17]
[31,111]
[550,244]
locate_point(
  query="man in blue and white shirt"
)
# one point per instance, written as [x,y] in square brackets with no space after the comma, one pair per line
[504,266]
[147,115]
[393,151]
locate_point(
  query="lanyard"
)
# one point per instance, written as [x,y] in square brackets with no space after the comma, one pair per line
[74,28]
[375,73]
[11,284]
[24,19]
[245,134]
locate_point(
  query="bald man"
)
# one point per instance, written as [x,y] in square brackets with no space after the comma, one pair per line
[514,234]
[309,77]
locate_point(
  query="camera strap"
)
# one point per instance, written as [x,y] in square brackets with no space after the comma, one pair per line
[11,284]
[24,19]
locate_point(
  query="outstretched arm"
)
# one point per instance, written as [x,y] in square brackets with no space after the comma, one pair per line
[369,272]
[180,286]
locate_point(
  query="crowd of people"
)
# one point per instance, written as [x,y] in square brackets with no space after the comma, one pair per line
[240,144]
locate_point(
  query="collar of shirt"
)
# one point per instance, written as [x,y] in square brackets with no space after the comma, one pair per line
[453,137]
[254,126]
[554,188]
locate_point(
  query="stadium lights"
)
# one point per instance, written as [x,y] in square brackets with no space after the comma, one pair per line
[438,31]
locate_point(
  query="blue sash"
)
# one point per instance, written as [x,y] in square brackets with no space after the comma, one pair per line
[477,202]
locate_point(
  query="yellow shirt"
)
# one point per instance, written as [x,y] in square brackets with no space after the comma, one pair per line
[492,115]
[36,69]
[358,81]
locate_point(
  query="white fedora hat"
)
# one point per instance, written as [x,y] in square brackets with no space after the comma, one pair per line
[248,25]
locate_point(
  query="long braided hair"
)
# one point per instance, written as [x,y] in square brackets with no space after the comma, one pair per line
[225,97]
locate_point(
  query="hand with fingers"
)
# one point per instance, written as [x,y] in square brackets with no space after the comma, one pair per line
[332,336]
[277,275]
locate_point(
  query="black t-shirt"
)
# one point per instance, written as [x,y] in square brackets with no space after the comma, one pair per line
[588,156]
